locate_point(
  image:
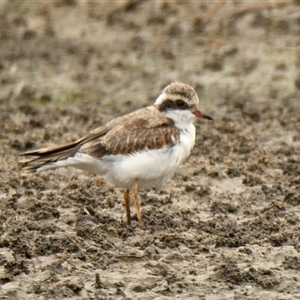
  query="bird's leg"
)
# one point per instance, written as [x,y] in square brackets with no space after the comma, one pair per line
[134,191]
[127,206]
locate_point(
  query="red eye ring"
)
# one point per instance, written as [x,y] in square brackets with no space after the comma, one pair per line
[180,104]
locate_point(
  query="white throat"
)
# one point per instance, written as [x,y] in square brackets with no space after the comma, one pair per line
[183,119]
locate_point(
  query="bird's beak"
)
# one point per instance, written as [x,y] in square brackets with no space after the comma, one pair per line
[200,114]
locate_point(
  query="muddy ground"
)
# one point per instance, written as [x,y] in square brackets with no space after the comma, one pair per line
[227,227]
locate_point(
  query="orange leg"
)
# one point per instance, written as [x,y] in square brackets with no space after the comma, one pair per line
[127,206]
[134,191]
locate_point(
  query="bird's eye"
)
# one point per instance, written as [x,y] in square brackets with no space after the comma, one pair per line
[180,104]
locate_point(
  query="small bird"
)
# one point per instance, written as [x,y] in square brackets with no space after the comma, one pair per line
[141,149]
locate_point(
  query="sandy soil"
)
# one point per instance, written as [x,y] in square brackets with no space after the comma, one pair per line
[228,226]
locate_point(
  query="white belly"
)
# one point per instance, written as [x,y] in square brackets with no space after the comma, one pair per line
[150,167]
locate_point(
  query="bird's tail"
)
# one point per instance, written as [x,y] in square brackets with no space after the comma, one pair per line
[48,158]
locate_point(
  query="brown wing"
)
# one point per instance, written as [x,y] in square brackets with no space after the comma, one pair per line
[145,128]
[44,156]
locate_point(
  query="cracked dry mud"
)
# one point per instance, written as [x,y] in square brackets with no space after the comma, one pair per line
[228,225]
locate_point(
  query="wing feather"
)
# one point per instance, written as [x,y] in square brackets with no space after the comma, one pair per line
[149,129]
